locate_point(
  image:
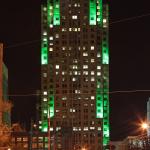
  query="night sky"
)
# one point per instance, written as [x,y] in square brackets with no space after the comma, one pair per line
[129,60]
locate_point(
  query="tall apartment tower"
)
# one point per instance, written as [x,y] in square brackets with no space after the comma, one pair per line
[75,73]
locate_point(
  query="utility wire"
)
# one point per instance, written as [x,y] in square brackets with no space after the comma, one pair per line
[130,18]
[112,92]
[114,22]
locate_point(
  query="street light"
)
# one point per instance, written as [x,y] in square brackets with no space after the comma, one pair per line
[145,126]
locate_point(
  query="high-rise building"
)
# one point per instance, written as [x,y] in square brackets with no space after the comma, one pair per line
[5,106]
[75,73]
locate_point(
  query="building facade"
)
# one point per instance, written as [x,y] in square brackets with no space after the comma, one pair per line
[4,102]
[75,73]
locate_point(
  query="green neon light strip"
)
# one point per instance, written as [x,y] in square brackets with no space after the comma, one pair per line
[51,106]
[44,57]
[99,13]
[56,19]
[105,53]
[105,61]
[92,15]
[99,102]
[50,13]
[45,126]
[44,44]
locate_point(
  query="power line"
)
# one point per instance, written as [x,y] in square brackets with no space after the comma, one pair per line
[114,22]
[130,18]
[111,92]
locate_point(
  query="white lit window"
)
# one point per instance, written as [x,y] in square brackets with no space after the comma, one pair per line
[78,29]
[75,73]
[51,26]
[64,48]
[50,49]
[92,72]
[56,72]
[99,128]
[44,33]
[45,93]
[58,128]
[64,29]
[44,39]
[92,79]
[57,110]
[75,5]
[98,86]
[92,47]
[92,128]
[64,98]
[85,66]
[92,97]
[50,43]
[57,66]
[85,72]
[98,73]
[57,36]
[85,129]
[98,67]
[45,75]
[45,99]
[51,37]
[98,55]
[84,47]
[51,129]
[73,79]
[70,29]
[85,54]
[45,111]
[74,17]
[104,20]
[92,60]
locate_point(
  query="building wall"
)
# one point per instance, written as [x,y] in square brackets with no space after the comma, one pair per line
[75,73]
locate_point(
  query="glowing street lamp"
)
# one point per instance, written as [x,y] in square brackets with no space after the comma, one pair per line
[145,126]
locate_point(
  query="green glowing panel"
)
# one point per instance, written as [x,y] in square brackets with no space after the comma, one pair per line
[56,18]
[100,12]
[105,55]
[44,126]
[51,106]
[99,106]
[92,12]
[50,13]
[44,57]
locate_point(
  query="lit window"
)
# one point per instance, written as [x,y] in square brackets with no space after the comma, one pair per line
[74,17]
[51,129]
[73,79]
[44,39]
[63,48]
[70,29]
[57,66]
[51,26]
[84,47]
[51,37]
[92,47]
[45,111]
[98,55]
[92,128]
[45,75]
[44,33]
[85,72]
[92,79]
[50,49]
[98,73]
[45,93]
[92,72]
[45,99]
[93,97]
[85,66]
[98,67]
[92,60]
[104,20]
[78,29]
[85,54]
[57,36]
[85,129]
[64,29]
[57,110]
